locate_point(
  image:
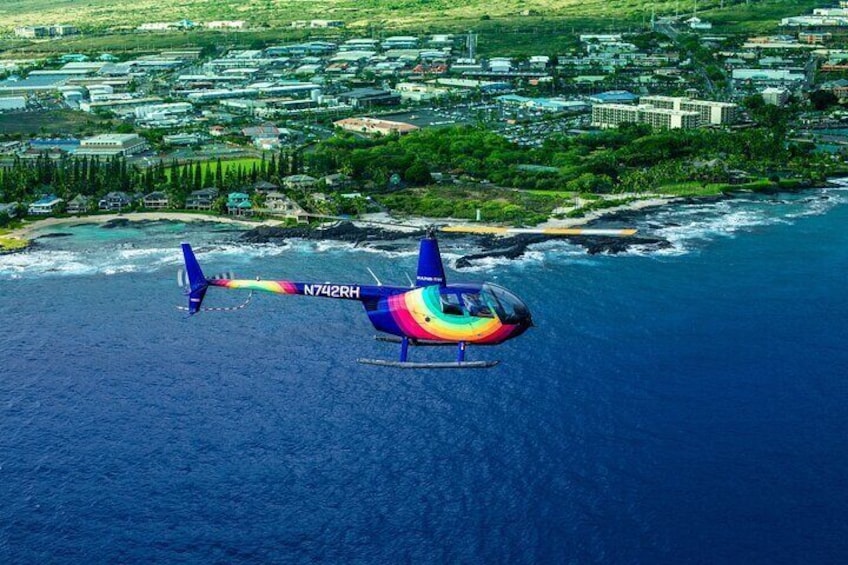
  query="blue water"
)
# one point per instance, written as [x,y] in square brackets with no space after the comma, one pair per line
[685,406]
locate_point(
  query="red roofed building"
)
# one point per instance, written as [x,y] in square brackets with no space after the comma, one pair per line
[374,126]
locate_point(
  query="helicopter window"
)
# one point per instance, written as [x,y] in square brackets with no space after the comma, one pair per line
[508,307]
[451,305]
[476,307]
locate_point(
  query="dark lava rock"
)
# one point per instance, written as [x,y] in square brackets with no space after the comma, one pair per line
[52,235]
[492,246]
[116,223]
[342,231]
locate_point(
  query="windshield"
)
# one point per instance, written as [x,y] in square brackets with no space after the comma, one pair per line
[509,308]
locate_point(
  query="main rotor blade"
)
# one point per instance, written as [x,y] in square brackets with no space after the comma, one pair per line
[494,230]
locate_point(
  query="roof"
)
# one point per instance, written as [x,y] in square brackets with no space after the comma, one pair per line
[614,96]
[47,199]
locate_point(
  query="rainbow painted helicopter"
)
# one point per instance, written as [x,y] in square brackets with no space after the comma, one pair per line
[432,313]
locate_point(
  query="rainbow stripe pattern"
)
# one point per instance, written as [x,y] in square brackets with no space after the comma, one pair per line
[277,287]
[418,314]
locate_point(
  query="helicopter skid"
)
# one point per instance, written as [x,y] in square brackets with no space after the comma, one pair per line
[425,365]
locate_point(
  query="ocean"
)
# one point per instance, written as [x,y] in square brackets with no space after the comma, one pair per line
[686,405]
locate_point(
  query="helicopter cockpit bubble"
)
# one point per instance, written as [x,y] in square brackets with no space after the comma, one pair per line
[508,307]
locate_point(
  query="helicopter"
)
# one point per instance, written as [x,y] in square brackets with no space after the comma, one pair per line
[429,313]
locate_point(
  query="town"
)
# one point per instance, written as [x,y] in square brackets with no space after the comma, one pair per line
[282,130]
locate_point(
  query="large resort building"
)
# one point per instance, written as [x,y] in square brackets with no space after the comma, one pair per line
[665,112]
[611,115]
[713,113]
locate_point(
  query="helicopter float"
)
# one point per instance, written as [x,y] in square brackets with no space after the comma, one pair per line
[430,313]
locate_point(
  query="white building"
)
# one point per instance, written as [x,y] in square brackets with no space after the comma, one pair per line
[711,112]
[768,76]
[225,24]
[611,115]
[775,95]
[162,111]
[111,144]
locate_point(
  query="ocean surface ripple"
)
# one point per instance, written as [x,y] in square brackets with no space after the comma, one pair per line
[678,407]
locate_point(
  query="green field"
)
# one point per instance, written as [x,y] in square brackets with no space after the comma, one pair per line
[226,165]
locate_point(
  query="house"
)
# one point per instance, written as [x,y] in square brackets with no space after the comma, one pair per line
[299,182]
[115,201]
[279,203]
[337,181]
[156,200]
[79,204]
[238,204]
[264,186]
[45,205]
[201,199]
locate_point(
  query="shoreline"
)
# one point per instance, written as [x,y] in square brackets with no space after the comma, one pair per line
[382,220]
[275,228]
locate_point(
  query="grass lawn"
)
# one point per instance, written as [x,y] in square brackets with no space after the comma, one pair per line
[246,163]
[10,243]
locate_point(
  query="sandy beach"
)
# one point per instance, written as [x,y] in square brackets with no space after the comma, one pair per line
[27,231]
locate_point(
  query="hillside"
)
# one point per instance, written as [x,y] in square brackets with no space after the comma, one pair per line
[127,14]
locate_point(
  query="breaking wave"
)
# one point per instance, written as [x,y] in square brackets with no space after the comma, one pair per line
[687,228]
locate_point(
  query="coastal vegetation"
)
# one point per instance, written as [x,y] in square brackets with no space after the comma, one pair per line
[457,171]
[629,159]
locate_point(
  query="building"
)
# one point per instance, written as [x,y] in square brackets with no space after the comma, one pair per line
[115,201]
[543,104]
[418,92]
[839,88]
[238,204]
[399,42]
[611,115]
[316,24]
[767,76]
[711,112]
[44,31]
[775,95]
[373,126]
[279,203]
[182,139]
[225,24]
[201,199]
[367,97]
[614,97]
[156,200]
[154,112]
[300,182]
[79,204]
[111,144]
[359,45]
[45,205]
[119,106]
